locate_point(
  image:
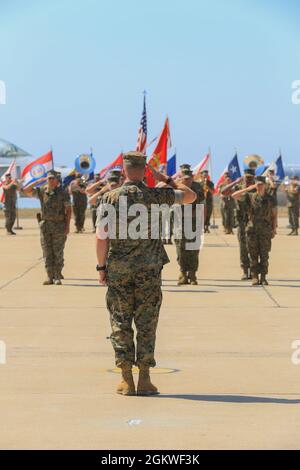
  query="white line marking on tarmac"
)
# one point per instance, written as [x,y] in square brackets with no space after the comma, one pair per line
[21,275]
[134,422]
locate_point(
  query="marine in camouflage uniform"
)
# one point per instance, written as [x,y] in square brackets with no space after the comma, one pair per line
[260,228]
[208,189]
[134,275]
[10,188]
[77,191]
[293,204]
[54,224]
[227,207]
[272,186]
[188,260]
[98,188]
[241,217]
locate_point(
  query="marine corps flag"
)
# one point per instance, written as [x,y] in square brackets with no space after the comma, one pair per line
[159,157]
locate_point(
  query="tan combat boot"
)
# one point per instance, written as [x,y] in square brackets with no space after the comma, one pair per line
[263,280]
[183,279]
[126,386]
[193,278]
[49,280]
[145,387]
[255,281]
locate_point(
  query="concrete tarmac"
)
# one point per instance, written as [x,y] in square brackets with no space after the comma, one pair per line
[224,354]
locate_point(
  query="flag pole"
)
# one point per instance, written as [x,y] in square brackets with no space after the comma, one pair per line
[213,226]
[18,227]
[51,150]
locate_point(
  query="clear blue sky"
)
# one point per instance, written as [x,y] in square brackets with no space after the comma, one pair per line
[222,70]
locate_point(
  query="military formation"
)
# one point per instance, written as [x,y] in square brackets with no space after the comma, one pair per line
[240,209]
[131,267]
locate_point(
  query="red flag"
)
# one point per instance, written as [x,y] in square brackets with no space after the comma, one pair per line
[118,162]
[158,159]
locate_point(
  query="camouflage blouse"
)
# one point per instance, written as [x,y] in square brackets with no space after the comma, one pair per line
[293,197]
[128,202]
[259,209]
[53,203]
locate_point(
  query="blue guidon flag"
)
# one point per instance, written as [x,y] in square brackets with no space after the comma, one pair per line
[171,166]
[233,168]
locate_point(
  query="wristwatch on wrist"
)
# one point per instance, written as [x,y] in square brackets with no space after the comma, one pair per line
[101,268]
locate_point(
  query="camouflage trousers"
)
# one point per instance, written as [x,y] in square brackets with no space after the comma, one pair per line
[167,228]
[259,242]
[294,217]
[134,297]
[94,217]
[53,241]
[188,260]
[244,254]
[227,213]
[79,216]
[208,213]
[10,218]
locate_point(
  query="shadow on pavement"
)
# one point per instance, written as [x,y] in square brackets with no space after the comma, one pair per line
[233,399]
[191,291]
[81,285]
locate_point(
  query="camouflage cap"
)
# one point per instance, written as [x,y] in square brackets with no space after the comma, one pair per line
[134,159]
[113,179]
[115,172]
[186,172]
[260,179]
[204,172]
[249,172]
[186,166]
[52,174]
[295,177]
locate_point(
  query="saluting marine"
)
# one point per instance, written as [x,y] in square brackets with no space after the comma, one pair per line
[260,229]
[10,188]
[227,206]
[77,190]
[54,223]
[293,204]
[131,267]
[96,191]
[188,260]
[242,217]
[209,190]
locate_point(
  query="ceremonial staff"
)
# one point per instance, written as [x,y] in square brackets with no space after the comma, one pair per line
[214,225]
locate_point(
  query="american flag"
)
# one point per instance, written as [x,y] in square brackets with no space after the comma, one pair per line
[142,135]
